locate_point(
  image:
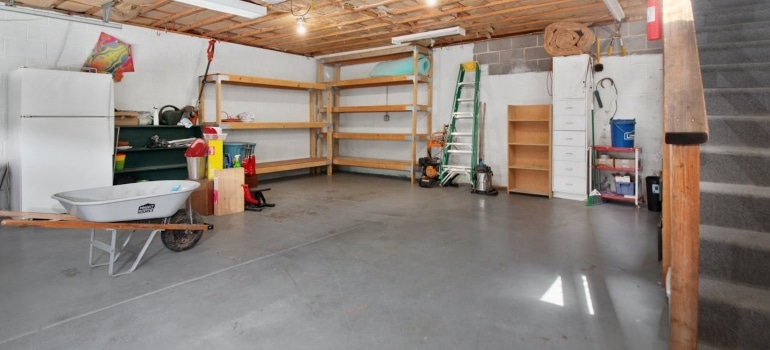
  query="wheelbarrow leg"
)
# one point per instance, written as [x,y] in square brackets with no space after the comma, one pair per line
[114,252]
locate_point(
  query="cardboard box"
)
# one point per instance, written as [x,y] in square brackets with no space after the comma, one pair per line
[605,162]
[203,197]
[126,118]
[624,163]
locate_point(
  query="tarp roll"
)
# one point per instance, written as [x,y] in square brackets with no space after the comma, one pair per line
[401,67]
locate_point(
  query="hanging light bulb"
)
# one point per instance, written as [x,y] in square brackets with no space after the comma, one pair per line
[430,2]
[301,29]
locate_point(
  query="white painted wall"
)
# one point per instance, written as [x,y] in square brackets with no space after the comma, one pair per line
[167,67]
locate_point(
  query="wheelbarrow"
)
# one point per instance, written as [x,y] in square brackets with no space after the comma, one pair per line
[150,206]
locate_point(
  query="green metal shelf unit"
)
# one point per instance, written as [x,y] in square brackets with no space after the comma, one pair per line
[144,162]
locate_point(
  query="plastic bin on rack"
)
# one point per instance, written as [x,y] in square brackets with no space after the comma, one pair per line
[625,188]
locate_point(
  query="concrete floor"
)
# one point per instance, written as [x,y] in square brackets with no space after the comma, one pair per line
[354,262]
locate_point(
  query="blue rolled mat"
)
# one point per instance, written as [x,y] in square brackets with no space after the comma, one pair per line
[401,67]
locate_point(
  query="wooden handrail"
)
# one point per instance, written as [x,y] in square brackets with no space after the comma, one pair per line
[685,128]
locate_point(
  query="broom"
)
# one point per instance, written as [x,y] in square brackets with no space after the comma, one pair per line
[595,197]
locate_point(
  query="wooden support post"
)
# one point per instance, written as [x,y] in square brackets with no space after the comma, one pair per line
[684,180]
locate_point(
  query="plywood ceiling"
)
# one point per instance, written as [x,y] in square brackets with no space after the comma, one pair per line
[336,26]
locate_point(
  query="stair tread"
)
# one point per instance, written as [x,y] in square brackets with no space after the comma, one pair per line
[729,45]
[722,27]
[737,90]
[744,118]
[747,297]
[736,150]
[733,236]
[732,66]
[735,189]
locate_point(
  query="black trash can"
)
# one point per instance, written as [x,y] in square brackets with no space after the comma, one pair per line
[654,194]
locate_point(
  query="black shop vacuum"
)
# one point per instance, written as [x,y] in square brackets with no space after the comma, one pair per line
[484,180]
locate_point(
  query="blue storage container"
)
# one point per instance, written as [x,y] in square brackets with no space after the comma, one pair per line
[623,132]
[624,188]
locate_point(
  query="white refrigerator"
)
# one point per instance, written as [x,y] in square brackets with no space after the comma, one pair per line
[60,135]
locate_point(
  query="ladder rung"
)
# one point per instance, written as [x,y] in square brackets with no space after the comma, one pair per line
[459,144]
[461,134]
[466,99]
[458,151]
[463,83]
[463,117]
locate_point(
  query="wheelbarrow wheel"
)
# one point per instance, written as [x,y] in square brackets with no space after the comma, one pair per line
[181,240]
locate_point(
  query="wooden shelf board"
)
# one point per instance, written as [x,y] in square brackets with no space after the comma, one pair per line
[382,108]
[546,193]
[151,168]
[379,81]
[529,167]
[545,121]
[529,144]
[289,164]
[273,125]
[232,79]
[373,163]
[378,136]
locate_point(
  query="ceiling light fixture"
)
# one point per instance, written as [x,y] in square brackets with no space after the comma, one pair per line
[430,2]
[301,29]
[428,35]
[615,10]
[233,7]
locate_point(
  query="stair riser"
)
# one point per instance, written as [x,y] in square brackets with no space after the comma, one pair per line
[729,34]
[742,133]
[726,210]
[736,77]
[721,102]
[731,327]
[735,169]
[735,263]
[741,53]
[724,17]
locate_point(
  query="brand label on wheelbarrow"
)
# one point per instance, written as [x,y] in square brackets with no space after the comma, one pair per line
[146,208]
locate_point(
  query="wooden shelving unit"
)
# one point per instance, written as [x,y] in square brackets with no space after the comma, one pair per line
[529,150]
[337,113]
[317,126]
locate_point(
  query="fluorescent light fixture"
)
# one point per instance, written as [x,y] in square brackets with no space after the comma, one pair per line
[234,7]
[428,35]
[615,9]
[56,15]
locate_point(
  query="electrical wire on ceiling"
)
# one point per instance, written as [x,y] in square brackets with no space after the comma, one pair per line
[291,7]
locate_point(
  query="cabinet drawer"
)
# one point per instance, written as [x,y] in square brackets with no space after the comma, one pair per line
[569,168]
[575,154]
[575,107]
[569,122]
[569,138]
[570,184]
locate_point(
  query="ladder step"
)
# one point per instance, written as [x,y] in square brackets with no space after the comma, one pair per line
[464,117]
[466,83]
[459,144]
[458,151]
[466,99]
[461,133]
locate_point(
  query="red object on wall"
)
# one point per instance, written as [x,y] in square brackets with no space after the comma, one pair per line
[654,20]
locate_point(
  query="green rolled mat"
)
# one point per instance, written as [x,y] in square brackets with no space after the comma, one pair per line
[400,67]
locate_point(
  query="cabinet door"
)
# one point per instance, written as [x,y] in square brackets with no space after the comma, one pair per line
[569,184]
[575,154]
[569,168]
[569,122]
[569,138]
[569,76]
